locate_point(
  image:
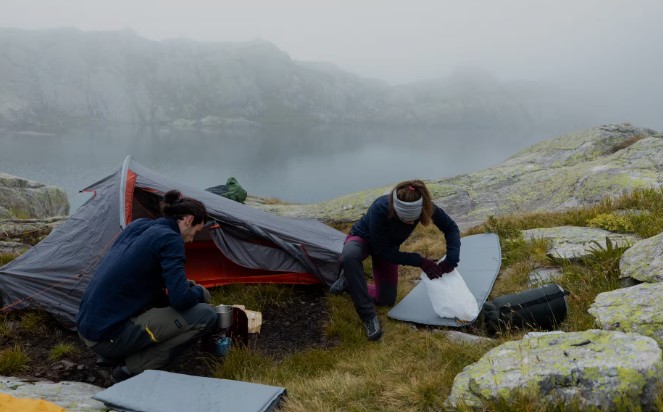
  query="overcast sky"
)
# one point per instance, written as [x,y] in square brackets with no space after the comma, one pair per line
[398,41]
[609,47]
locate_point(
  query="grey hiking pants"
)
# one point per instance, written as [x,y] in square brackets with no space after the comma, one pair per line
[385,276]
[154,338]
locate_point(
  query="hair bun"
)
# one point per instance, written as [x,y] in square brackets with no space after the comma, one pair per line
[172,197]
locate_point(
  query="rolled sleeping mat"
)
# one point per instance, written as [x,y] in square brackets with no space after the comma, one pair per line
[541,308]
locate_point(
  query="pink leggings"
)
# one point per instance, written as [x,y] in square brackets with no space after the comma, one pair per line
[385,275]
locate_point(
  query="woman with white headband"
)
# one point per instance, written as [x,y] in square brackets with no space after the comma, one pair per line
[388,222]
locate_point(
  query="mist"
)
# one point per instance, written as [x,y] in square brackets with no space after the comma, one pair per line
[607,51]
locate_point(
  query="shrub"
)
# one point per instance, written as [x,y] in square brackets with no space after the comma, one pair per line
[612,223]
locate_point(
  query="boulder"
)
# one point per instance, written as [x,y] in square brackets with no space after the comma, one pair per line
[591,369]
[644,260]
[573,243]
[637,309]
[24,199]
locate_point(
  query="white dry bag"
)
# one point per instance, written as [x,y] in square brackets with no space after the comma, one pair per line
[450,297]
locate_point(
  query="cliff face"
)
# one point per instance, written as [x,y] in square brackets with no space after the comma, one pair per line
[57,78]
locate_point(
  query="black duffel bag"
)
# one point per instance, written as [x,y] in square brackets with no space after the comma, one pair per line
[542,308]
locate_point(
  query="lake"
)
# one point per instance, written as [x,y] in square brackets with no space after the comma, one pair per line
[298,165]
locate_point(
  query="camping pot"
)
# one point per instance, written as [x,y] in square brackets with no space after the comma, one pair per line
[224,316]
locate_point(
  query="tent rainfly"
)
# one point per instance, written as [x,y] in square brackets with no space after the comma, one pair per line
[242,245]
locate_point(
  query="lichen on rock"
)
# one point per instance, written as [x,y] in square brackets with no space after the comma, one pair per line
[600,369]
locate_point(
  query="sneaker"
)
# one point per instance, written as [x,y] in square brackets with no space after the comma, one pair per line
[338,286]
[120,373]
[373,329]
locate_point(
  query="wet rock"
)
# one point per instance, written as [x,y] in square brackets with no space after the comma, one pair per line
[636,309]
[644,260]
[595,368]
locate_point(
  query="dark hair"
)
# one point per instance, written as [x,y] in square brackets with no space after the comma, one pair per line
[410,191]
[177,206]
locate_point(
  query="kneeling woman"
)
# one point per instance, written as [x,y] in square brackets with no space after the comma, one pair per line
[388,222]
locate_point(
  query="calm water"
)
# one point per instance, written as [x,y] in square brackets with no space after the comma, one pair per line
[294,165]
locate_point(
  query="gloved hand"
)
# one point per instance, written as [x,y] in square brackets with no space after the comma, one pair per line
[431,268]
[445,267]
[207,298]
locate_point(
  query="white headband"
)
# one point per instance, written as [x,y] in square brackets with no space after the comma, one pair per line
[408,211]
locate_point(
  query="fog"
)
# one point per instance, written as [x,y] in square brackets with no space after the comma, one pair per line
[609,50]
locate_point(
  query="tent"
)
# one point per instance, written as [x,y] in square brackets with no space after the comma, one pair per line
[242,244]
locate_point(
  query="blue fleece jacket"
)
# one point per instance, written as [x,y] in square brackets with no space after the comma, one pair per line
[147,257]
[385,235]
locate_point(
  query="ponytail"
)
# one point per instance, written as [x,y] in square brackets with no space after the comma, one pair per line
[177,206]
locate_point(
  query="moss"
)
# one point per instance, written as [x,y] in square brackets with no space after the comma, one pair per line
[612,222]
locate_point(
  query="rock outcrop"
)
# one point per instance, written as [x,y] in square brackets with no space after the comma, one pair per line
[24,199]
[574,243]
[575,170]
[600,369]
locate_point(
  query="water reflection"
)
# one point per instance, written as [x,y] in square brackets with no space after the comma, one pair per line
[294,164]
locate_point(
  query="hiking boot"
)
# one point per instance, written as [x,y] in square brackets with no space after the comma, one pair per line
[120,373]
[338,286]
[373,329]
[104,362]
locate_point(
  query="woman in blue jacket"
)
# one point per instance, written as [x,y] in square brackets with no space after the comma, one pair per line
[119,317]
[387,223]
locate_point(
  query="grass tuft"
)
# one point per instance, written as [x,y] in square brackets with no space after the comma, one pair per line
[62,350]
[34,322]
[12,360]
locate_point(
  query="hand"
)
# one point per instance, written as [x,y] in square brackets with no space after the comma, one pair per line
[431,268]
[191,283]
[445,267]
[207,297]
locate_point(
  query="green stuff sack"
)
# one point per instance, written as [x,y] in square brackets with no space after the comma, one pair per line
[231,190]
[235,191]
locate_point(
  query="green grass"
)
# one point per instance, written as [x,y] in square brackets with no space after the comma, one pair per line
[253,297]
[62,350]
[12,360]
[7,327]
[6,258]
[412,369]
[35,322]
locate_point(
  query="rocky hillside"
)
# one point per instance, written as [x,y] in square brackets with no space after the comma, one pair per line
[573,170]
[58,78]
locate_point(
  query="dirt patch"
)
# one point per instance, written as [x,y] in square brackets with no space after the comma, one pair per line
[287,328]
